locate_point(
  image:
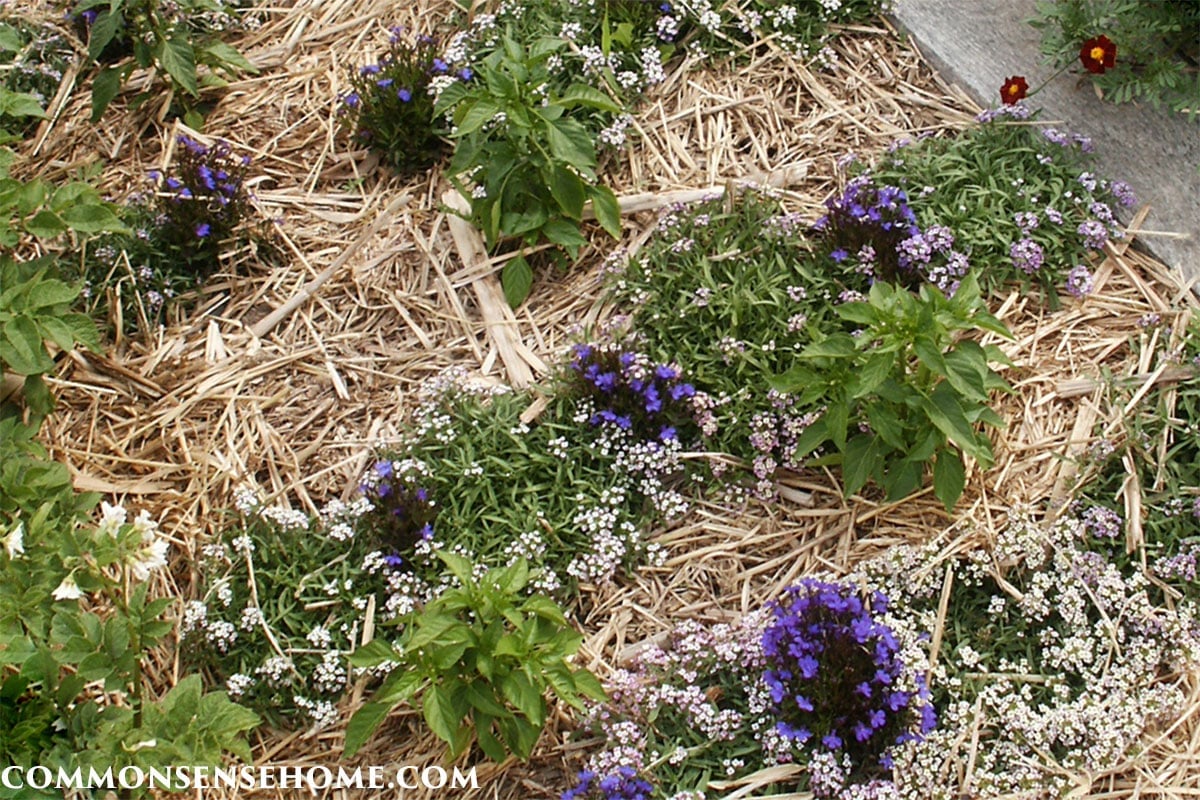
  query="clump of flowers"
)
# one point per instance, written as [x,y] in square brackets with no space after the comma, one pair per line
[836,676]
[1047,214]
[196,213]
[201,202]
[628,391]
[389,107]
[401,510]
[720,702]
[1054,654]
[871,229]
[33,57]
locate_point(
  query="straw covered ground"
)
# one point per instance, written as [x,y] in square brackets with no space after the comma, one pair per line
[284,378]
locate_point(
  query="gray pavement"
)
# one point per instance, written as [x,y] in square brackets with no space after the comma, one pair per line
[976,44]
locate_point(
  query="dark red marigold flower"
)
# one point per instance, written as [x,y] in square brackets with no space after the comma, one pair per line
[1098,54]
[1014,89]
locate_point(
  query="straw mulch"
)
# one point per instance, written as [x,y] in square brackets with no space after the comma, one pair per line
[284,378]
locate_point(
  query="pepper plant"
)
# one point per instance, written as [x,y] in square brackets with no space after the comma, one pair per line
[904,390]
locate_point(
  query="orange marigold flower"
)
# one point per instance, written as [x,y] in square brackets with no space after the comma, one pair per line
[1098,54]
[1014,89]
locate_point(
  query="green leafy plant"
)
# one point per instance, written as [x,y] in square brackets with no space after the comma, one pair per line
[45,210]
[33,58]
[177,38]
[72,674]
[1156,47]
[483,656]
[35,308]
[905,391]
[527,165]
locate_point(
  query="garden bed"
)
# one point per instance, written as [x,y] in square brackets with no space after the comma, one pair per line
[287,378]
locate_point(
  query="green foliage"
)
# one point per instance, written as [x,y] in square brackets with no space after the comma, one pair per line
[1157,47]
[483,657]
[71,675]
[905,393]
[34,310]
[47,211]
[33,58]
[527,164]
[177,38]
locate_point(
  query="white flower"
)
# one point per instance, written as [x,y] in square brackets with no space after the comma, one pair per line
[14,543]
[68,589]
[144,525]
[111,519]
[148,558]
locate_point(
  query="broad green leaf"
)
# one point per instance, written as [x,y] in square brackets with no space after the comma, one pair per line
[92,219]
[48,293]
[363,725]
[874,372]
[516,279]
[929,354]
[837,420]
[861,457]
[579,94]
[839,345]
[607,209]
[46,225]
[568,190]
[488,743]
[102,31]
[474,116]
[440,715]
[521,692]
[399,687]
[589,685]
[105,87]
[459,567]
[902,478]
[20,104]
[565,234]
[949,477]
[21,347]
[570,142]
[484,701]
[433,628]
[373,653]
[545,608]
[179,60]
[219,54]
[11,40]
[945,412]
[860,313]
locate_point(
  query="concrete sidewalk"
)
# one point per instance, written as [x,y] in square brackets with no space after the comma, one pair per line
[976,44]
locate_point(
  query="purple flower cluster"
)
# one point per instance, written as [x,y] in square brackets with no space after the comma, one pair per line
[1027,255]
[624,784]
[774,435]
[874,230]
[202,201]
[390,103]
[1101,522]
[836,677]
[1079,281]
[634,394]
[402,511]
